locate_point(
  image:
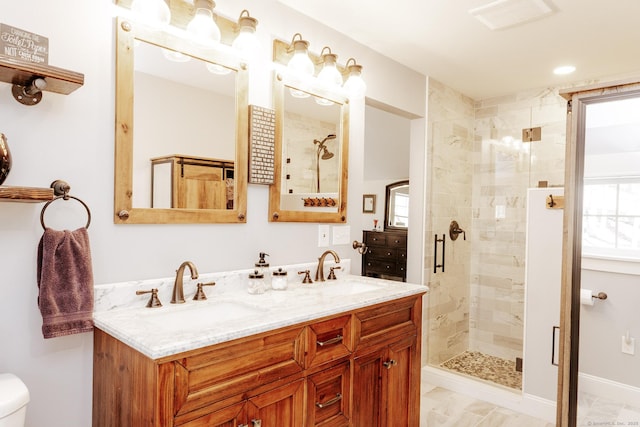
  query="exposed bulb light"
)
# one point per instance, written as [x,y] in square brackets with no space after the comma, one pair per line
[329,75]
[300,63]
[202,27]
[564,70]
[355,86]
[175,56]
[246,43]
[154,13]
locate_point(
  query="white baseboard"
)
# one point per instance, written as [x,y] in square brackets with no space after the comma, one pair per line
[516,401]
[608,389]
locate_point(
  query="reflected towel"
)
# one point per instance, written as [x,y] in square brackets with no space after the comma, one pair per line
[65,282]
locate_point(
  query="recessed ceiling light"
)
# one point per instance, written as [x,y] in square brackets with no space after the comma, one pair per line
[563,70]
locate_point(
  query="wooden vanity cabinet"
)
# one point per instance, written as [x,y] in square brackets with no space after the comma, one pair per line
[387,365]
[360,368]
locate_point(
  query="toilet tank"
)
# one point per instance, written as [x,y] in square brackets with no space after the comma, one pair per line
[14,397]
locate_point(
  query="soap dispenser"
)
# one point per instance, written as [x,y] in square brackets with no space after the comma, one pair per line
[262,267]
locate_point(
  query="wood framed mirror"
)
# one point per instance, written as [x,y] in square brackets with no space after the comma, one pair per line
[181,144]
[396,206]
[312,149]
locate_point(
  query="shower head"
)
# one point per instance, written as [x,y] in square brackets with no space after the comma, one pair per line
[330,136]
[326,154]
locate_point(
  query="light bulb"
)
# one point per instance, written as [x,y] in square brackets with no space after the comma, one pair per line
[300,63]
[174,56]
[202,27]
[355,86]
[247,43]
[329,75]
[151,12]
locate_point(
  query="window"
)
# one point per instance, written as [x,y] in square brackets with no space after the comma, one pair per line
[611,221]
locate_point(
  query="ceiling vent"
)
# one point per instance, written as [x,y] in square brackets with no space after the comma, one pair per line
[501,14]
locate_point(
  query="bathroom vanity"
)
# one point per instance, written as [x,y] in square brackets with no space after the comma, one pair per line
[335,353]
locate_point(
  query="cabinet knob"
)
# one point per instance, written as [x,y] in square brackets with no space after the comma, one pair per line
[388,364]
[256,423]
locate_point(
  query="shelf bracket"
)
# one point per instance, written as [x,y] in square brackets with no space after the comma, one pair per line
[30,94]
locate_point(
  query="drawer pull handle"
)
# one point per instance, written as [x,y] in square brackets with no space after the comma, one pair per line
[389,363]
[336,399]
[335,340]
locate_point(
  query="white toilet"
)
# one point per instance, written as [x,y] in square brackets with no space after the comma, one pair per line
[14,397]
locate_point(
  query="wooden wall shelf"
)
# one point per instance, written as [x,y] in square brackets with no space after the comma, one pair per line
[25,194]
[22,74]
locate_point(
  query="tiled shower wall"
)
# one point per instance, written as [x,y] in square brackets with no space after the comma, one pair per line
[480,171]
[450,153]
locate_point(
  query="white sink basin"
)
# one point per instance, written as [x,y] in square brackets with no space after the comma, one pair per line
[343,287]
[205,316]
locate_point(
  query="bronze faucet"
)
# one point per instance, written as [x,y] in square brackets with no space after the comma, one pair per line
[178,288]
[320,269]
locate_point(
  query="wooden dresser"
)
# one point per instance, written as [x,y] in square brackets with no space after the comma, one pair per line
[386,255]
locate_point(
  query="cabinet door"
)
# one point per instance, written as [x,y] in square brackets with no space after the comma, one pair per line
[280,407]
[402,377]
[200,187]
[367,390]
[385,386]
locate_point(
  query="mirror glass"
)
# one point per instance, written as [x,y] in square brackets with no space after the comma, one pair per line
[396,214]
[311,154]
[181,143]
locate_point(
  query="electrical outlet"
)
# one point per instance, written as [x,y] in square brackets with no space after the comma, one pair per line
[323,236]
[628,345]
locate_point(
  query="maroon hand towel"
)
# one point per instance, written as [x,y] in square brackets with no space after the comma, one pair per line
[65,282]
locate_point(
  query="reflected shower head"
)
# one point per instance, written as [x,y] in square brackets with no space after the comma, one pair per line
[326,154]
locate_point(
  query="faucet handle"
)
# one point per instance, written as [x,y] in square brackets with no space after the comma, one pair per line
[154,301]
[307,276]
[200,296]
[332,273]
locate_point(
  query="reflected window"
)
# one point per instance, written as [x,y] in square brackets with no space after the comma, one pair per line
[611,221]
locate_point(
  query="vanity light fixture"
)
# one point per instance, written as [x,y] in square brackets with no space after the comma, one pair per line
[202,27]
[154,13]
[247,43]
[300,63]
[329,75]
[355,85]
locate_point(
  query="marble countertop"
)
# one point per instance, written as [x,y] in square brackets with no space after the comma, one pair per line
[233,313]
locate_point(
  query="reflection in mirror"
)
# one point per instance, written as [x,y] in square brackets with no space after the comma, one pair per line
[193,132]
[181,137]
[396,214]
[311,154]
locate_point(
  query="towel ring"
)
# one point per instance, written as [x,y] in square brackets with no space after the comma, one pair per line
[61,186]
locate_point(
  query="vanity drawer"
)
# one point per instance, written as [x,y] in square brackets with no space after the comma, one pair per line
[235,367]
[376,326]
[329,340]
[328,395]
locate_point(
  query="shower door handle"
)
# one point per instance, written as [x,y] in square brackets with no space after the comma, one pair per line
[435,253]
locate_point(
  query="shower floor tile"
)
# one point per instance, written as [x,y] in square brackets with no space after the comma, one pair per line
[488,368]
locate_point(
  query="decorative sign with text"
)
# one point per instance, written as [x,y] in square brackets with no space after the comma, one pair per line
[23,45]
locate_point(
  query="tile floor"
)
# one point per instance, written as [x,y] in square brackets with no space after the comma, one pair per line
[443,408]
[486,367]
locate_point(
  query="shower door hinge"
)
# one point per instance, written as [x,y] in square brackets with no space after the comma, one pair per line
[531,134]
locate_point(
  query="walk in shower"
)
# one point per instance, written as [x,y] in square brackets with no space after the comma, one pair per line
[480,166]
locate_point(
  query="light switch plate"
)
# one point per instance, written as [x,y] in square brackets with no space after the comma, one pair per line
[323,236]
[341,234]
